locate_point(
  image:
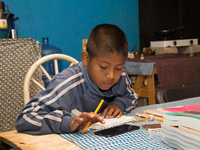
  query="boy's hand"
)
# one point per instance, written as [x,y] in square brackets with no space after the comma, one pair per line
[112,111]
[81,121]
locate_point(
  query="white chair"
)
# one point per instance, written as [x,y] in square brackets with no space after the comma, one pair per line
[38,64]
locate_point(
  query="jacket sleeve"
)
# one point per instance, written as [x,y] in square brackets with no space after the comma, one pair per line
[48,112]
[126,97]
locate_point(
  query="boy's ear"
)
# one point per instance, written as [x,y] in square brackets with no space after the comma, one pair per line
[85,58]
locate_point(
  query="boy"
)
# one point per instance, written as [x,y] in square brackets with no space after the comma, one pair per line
[100,75]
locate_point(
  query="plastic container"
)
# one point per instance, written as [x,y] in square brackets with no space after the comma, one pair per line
[48,49]
[4,32]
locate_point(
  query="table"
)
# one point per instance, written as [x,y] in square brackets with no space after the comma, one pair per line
[149,91]
[171,69]
[139,139]
[33,142]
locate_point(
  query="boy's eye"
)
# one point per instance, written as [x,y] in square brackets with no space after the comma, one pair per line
[103,67]
[119,69]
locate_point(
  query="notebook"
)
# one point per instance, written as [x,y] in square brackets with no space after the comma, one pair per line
[112,122]
[109,122]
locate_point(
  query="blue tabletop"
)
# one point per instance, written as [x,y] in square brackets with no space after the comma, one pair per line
[138,68]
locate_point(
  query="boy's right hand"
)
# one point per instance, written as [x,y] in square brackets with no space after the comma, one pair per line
[81,121]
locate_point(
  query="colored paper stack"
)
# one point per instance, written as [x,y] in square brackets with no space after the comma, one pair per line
[181,128]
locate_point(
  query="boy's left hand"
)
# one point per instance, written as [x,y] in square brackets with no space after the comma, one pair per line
[112,111]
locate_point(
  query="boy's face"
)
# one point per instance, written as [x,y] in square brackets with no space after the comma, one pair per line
[105,70]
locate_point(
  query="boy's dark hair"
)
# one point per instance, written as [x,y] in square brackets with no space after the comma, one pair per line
[106,38]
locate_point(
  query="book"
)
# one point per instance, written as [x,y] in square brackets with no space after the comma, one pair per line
[186,129]
[178,138]
[156,112]
[187,116]
[183,123]
[183,108]
[144,115]
[161,111]
[190,119]
[181,127]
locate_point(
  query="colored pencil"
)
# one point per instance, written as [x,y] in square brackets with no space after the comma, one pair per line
[97,109]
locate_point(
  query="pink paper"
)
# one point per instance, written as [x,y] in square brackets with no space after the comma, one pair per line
[184,108]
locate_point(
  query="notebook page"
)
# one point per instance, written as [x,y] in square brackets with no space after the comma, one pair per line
[112,122]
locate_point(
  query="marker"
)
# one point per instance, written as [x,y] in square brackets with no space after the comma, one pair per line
[97,109]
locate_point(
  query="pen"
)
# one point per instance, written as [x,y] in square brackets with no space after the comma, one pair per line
[97,109]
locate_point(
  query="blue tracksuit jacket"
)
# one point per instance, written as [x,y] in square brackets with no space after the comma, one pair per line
[50,110]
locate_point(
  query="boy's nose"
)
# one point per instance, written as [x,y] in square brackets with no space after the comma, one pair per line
[110,74]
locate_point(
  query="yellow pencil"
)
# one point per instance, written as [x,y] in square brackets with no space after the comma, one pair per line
[97,109]
[159,119]
[141,119]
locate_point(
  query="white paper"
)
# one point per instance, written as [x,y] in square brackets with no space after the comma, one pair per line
[112,122]
[109,122]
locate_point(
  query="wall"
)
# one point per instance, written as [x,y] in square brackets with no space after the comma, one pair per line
[67,22]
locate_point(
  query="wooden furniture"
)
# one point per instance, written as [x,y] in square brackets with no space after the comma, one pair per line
[38,64]
[20,141]
[172,69]
[149,91]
